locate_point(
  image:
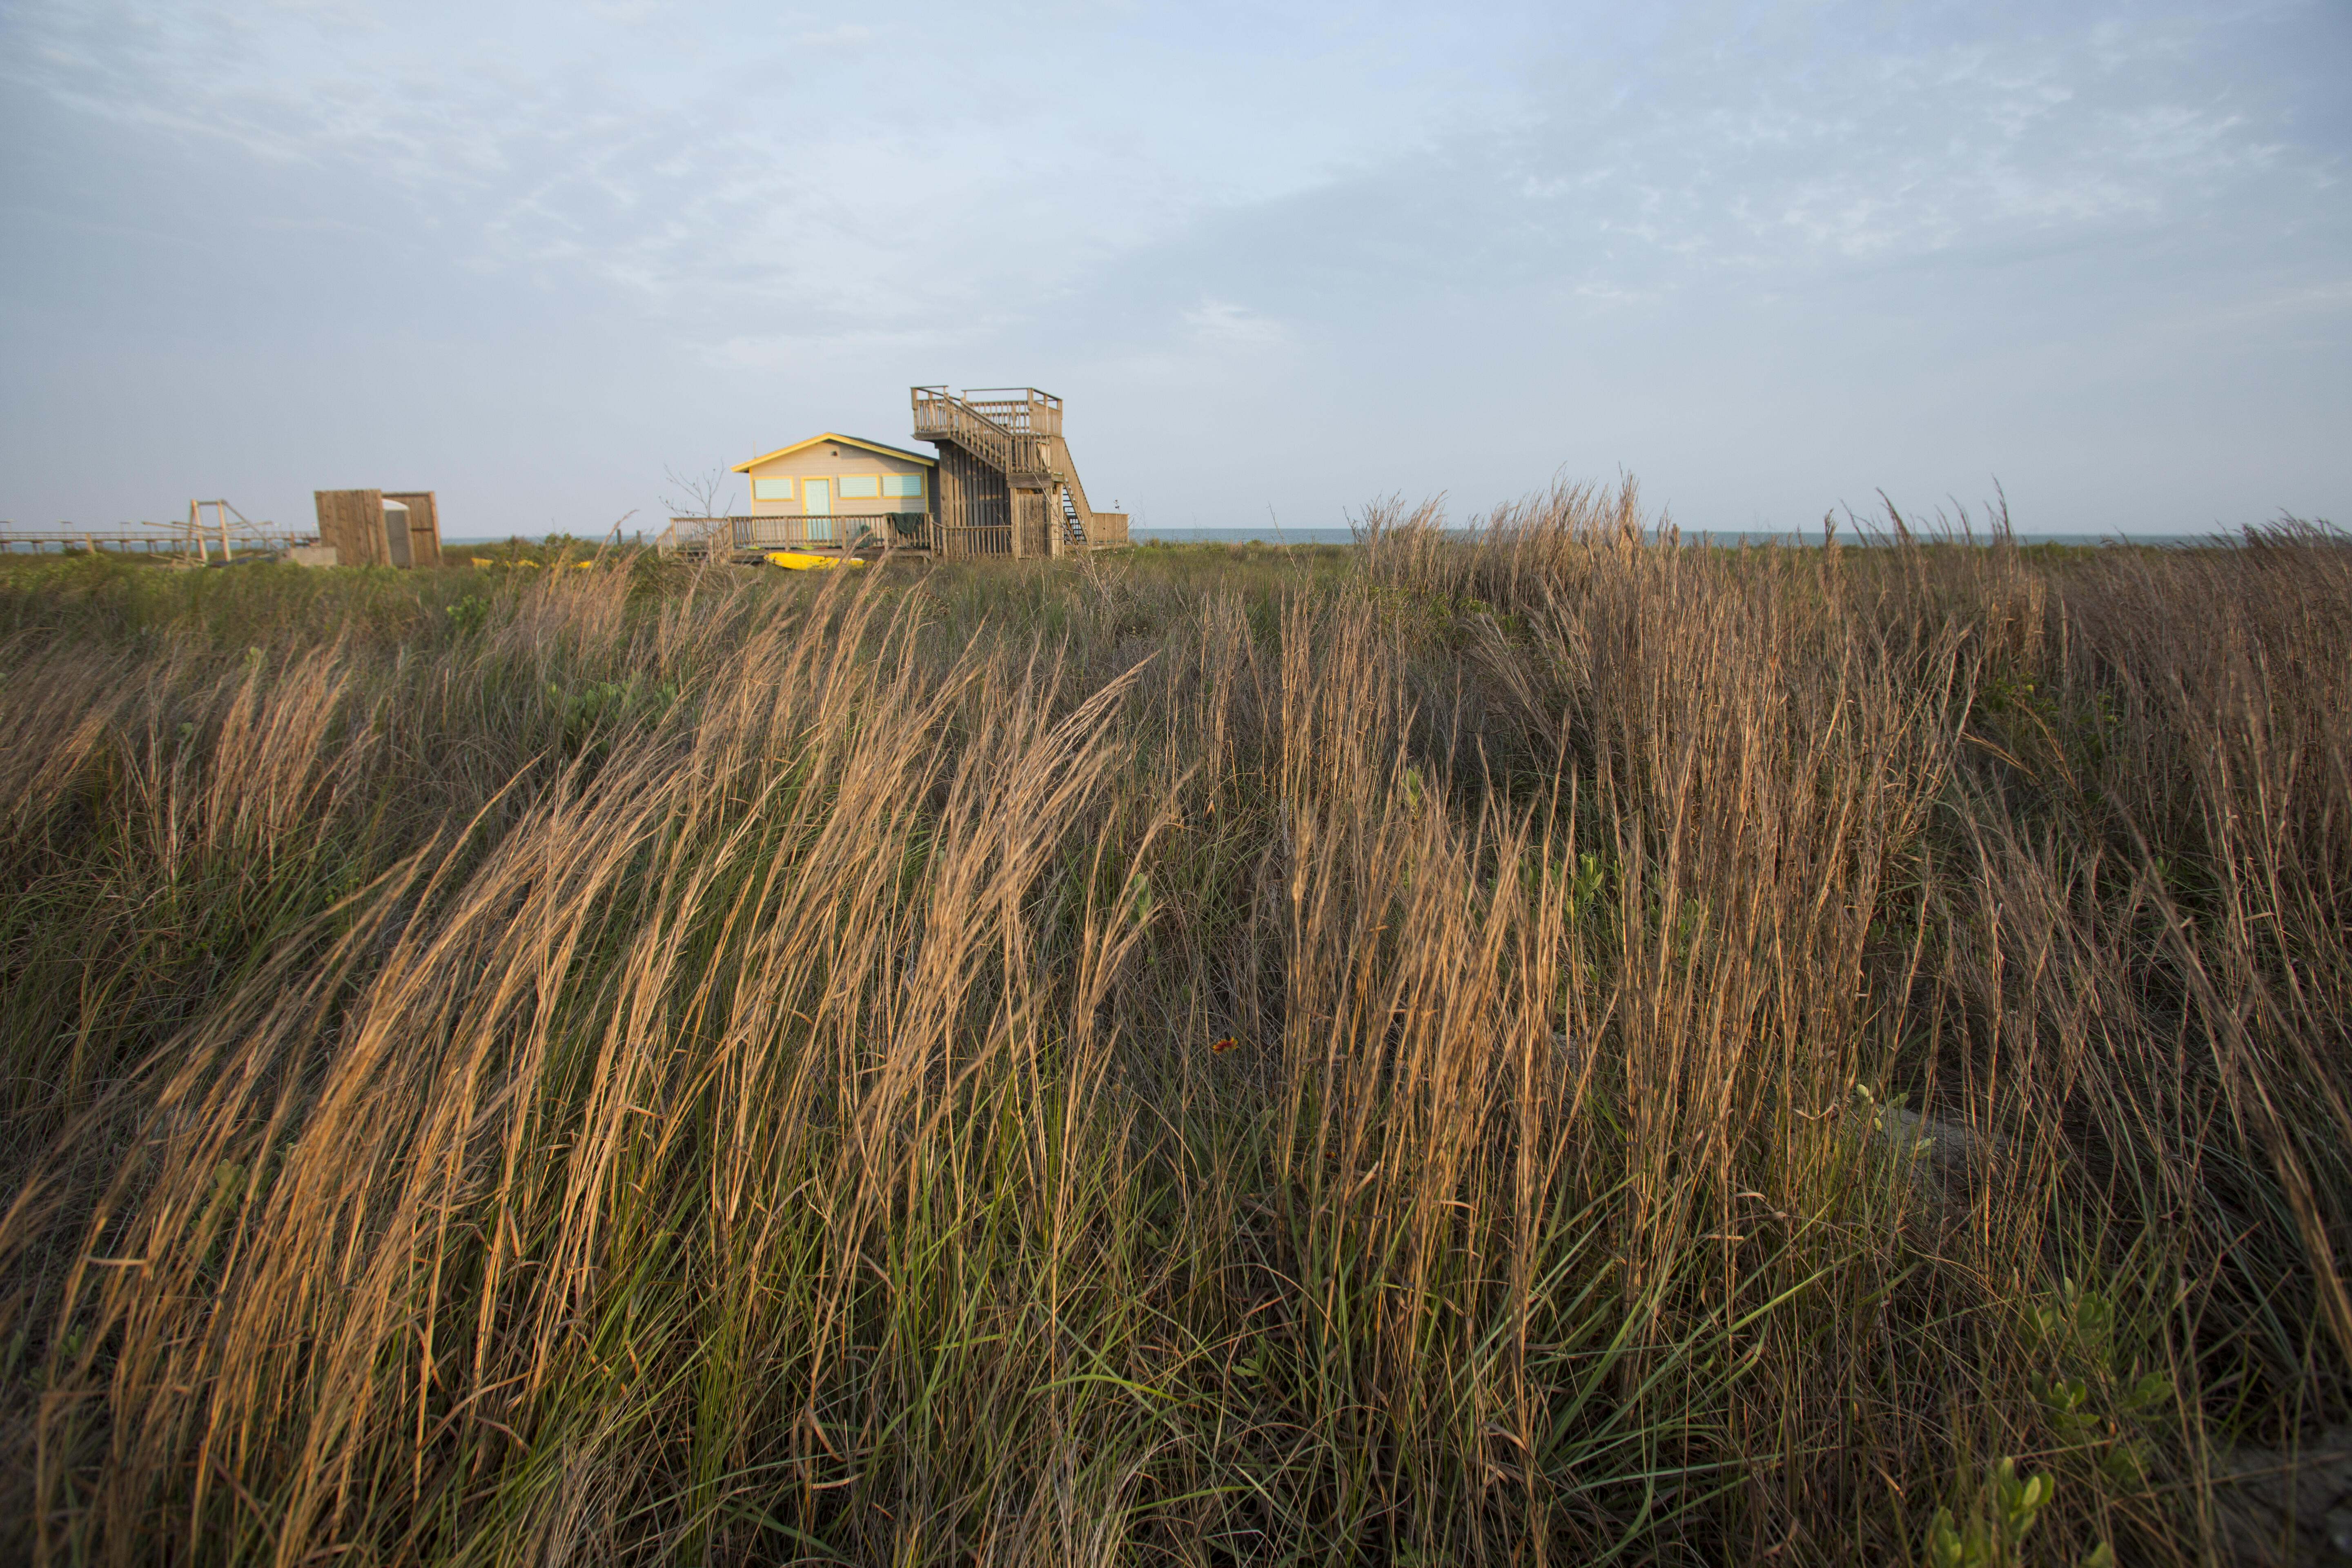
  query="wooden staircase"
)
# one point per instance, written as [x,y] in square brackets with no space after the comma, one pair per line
[1006,483]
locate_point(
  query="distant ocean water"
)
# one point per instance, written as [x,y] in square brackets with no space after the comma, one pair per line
[1170,535]
[1262,534]
[1690,536]
[1268,535]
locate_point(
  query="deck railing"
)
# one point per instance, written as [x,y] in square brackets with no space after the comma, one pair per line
[854,530]
[941,416]
[1023,410]
[693,534]
[841,530]
[867,531]
[957,543]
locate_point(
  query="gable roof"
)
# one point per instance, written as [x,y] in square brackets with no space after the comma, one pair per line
[843,441]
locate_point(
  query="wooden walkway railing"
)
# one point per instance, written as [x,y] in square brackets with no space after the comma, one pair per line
[842,530]
[197,548]
[67,542]
[842,533]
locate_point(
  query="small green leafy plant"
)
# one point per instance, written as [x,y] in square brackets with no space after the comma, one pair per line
[2094,1402]
[1992,1539]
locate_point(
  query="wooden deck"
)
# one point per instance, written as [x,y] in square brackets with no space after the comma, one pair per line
[748,538]
[1004,485]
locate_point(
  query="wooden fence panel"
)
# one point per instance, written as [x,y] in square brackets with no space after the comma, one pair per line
[974,544]
[423,526]
[1033,533]
[351,522]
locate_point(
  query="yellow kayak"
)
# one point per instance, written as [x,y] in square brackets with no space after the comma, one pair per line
[795,561]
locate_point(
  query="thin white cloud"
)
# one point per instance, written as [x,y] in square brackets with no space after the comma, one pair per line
[741,161]
[1223,328]
[1906,150]
[841,34]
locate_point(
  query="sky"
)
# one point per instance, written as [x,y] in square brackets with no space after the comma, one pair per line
[1281,261]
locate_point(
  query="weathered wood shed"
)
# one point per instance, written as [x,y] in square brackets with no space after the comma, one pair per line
[380,528]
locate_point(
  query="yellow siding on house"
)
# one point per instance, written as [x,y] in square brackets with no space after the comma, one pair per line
[859,479]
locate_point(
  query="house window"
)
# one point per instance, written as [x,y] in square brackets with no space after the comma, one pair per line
[860,486]
[902,484]
[772,490]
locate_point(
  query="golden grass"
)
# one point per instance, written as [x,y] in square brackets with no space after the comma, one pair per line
[644,1065]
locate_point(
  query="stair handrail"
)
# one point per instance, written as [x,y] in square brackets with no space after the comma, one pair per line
[939,412]
[957,421]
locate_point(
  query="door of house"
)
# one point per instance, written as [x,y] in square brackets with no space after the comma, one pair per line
[816,503]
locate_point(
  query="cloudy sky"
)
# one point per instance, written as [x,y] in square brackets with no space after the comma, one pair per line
[1770,259]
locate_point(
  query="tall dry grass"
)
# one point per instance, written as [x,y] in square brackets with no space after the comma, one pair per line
[1729,1047]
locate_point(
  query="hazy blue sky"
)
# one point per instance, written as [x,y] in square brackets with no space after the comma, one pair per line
[1767,258]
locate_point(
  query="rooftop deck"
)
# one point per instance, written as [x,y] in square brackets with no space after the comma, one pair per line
[1003,425]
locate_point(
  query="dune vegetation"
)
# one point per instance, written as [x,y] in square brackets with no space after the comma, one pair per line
[1531,1047]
